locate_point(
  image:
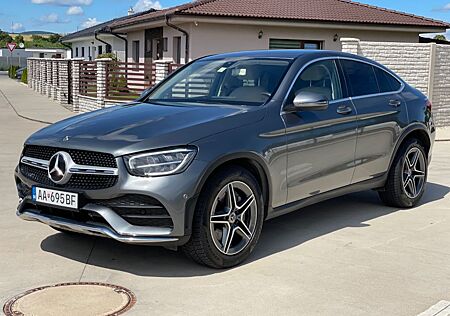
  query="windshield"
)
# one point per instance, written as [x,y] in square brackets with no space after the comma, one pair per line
[236,81]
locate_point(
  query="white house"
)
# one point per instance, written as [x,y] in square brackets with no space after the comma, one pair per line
[206,27]
[100,39]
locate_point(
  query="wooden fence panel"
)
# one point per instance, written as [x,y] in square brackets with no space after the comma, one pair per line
[88,78]
[126,81]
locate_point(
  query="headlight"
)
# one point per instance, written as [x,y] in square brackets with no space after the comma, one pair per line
[160,163]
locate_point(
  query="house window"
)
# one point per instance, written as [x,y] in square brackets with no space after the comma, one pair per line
[89,52]
[177,49]
[100,49]
[135,51]
[82,51]
[76,52]
[41,55]
[275,43]
[108,49]
[165,48]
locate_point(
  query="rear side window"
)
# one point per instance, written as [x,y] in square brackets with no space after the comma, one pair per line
[386,81]
[360,78]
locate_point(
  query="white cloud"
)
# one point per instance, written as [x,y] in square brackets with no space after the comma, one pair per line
[66,3]
[90,22]
[75,10]
[444,8]
[17,27]
[143,5]
[52,18]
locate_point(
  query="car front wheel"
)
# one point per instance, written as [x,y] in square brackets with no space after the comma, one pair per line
[228,219]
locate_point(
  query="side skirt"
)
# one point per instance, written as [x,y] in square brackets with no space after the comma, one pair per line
[374,183]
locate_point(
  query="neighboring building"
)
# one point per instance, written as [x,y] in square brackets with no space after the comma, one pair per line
[17,58]
[48,52]
[96,40]
[206,27]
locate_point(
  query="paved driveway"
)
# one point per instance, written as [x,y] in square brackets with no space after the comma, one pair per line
[346,256]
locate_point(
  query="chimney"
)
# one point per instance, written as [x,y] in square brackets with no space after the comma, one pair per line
[130,11]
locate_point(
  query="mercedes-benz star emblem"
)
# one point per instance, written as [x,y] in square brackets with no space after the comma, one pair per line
[58,167]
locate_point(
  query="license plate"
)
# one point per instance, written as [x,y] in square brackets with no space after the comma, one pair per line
[55,197]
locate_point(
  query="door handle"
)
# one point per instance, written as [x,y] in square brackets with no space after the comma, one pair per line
[344,110]
[395,103]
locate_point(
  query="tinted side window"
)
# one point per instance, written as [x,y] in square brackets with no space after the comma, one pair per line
[386,81]
[321,77]
[360,77]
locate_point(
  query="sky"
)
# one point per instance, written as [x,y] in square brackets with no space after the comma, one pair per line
[66,16]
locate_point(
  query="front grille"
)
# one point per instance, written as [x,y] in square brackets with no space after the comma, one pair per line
[80,157]
[77,181]
[139,210]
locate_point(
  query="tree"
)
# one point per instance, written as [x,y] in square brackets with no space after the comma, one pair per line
[440,37]
[36,38]
[19,39]
[54,38]
[4,38]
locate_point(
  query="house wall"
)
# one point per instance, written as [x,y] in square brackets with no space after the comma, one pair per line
[211,38]
[136,36]
[117,45]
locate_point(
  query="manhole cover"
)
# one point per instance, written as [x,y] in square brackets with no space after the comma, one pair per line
[83,298]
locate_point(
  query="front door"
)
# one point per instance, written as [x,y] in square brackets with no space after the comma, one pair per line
[153,44]
[321,144]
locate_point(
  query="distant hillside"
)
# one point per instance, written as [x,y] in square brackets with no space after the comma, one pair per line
[37,33]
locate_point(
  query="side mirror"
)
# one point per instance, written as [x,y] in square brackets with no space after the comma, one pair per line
[308,101]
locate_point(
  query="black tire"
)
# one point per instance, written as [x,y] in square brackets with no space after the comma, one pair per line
[394,193]
[201,247]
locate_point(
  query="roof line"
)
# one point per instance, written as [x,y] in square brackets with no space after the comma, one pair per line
[395,11]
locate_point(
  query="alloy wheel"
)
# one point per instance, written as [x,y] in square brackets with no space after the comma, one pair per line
[413,175]
[233,218]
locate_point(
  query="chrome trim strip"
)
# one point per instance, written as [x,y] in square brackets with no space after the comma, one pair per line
[35,162]
[73,168]
[93,229]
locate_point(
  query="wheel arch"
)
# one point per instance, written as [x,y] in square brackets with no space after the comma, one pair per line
[251,162]
[415,130]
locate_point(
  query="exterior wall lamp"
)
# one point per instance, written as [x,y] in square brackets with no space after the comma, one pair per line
[260,34]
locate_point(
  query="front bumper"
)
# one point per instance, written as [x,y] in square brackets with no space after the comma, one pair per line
[177,193]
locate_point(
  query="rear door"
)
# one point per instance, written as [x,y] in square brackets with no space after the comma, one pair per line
[382,113]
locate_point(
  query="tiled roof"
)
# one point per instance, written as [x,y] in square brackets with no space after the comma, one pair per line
[344,11]
[90,31]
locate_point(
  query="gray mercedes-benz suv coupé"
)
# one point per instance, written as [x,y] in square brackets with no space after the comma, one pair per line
[226,142]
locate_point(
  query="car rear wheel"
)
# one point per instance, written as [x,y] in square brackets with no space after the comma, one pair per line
[228,219]
[407,178]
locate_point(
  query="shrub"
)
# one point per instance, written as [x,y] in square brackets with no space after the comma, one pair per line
[24,78]
[12,71]
[108,55]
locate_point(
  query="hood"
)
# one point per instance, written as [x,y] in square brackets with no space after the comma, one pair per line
[125,129]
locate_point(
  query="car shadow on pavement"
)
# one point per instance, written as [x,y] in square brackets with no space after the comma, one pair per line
[279,234]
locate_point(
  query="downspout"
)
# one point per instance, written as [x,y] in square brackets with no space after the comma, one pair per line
[186,52]
[68,46]
[118,35]
[126,44]
[101,41]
